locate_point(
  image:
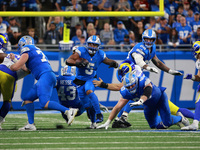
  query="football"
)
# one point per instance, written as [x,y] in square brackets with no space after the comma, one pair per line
[81,60]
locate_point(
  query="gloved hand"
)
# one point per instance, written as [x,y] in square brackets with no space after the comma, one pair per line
[105,125]
[103,108]
[152,69]
[113,64]
[138,103]
[175,72]
[82,64]
[188,76]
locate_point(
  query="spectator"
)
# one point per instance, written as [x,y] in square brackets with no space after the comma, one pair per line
[92,32]
[31,32]
[4,26]
[15,26]
[82,41]
[87,20]
[138,32]
[126,43]
[177,22]
[104,5]
[62,4]
[184,32]
[14,39]
[123,5]
[180,10]
[132,38]
[90,26]
[196,23]
[164,30]
[190,17]
[77,39]
[152,24]
[196,36]
[173,40]
[144,4]
[52,36]
[58,22]
[74,7]
[12,5]
[186,8]
[119,32]
[83,4]
[196,5]
[172,7]
[106,34]
[135,20]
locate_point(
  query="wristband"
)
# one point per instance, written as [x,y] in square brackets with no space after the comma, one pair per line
[104,85]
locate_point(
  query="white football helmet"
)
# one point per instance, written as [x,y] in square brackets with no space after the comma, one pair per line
[68,71]
[130,79]
[25,40]
[93,40]
[148,34]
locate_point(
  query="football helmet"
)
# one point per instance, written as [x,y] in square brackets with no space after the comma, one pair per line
[196,48]
[130,79]
[148,38]
[124,67]
[69,71]
[95,41]
[25,40]
[3,42]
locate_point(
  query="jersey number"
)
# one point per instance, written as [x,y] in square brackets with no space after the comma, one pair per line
[43,56]
[62,92]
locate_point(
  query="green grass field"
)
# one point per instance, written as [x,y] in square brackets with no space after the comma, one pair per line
[76,136]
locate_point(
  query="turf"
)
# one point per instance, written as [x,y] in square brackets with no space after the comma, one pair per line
[53,133]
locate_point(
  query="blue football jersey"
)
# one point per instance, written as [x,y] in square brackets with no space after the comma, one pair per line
[184,32]
[37,62]
[141,49]
[90,70]
[67,92]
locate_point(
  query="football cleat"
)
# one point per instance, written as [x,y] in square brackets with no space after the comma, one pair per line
[2,120]
[192,127]
[184,120]
[28,127]
[92,126]
[99,118]
[71,115]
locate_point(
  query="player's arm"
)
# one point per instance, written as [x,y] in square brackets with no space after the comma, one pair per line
[2,56]
[71,61]
[110,62]
[20,64]
[121,103]
[144,97]
[140,62]
[109,86]
[163,67]
[194,78]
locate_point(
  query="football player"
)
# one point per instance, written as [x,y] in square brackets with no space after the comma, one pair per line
[86,70]
[196,52]
[40,68]
[121,121]
[144,92]
[8,78]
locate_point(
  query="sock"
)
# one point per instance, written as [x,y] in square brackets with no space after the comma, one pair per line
[175,119]
[56,106]
[95,102]
[186,112]
[92,114]
[30,112]
[197,111]
[4,109]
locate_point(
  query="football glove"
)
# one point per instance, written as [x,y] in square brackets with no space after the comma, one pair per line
[138,103]
[174,72]
[82,64]
[189,76]
[113,64]
[105,125]
[152,69]
[103,108]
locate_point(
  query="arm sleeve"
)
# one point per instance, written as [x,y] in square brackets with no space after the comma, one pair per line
[138,59]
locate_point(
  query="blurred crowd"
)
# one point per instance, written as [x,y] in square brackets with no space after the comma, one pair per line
[179,25]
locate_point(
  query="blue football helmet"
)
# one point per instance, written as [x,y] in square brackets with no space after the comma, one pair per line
[124,67]
[25,40]
[68,71]
[130,79]
[3,42]
[196,48]
[148,34]
[93,40]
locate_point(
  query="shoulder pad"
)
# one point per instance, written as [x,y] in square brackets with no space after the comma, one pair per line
[25,49]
